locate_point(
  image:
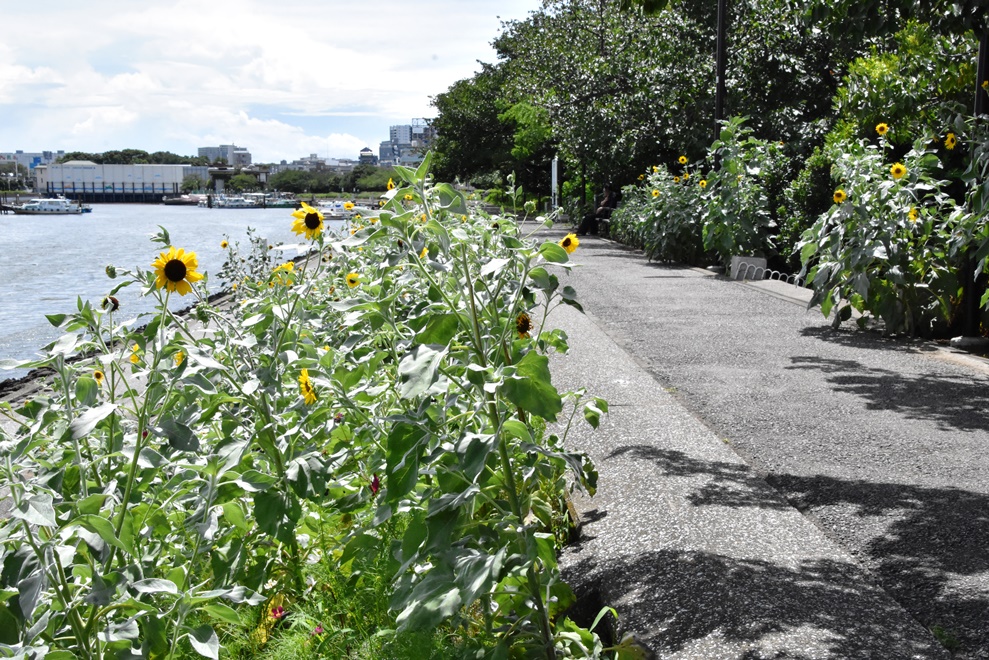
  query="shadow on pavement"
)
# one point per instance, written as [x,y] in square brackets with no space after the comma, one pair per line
[870,340]
[960,404]
[937,537]
[766,609]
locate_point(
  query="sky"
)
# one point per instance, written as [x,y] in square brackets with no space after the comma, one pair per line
[281,78]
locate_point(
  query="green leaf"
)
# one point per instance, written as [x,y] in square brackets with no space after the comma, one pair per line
[222,612]
[531,390]
[418,370]
[440,329]
[86,422]
[553,253]
[593,411]
[101,527]
[37,510]
[56,319]
[155,586]
[435,598]
[204,640]
[542,279]
[179,435]
[403,452]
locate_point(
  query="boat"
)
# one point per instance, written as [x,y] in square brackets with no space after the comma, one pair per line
[182,200]
[53,206]
[224,202]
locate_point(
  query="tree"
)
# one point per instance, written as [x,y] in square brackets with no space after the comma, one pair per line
[244,183]
[192,183]
[293,181]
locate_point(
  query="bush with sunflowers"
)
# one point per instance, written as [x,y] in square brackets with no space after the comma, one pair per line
[388,395]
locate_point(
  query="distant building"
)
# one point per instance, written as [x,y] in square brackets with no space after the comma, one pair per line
[367,157]
[86,181]
[30,160]
[231,154]
[407,143]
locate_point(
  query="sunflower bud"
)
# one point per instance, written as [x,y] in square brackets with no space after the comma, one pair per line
[110,303]
[111,271]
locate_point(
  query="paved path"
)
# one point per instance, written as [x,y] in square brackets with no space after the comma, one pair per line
[771,488]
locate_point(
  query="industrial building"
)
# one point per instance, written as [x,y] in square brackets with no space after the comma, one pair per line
[86,181]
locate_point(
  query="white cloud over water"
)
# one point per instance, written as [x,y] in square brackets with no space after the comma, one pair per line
[284,79]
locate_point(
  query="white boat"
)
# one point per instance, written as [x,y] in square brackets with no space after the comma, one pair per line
[224,202]
[56,206]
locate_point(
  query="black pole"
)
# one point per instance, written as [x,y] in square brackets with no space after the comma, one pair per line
[720,66]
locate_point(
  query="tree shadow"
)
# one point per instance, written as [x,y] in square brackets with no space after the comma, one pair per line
[931,555]
[953,403]
[710,605]
[868,340]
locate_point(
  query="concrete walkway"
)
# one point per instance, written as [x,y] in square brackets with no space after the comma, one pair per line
[771,488]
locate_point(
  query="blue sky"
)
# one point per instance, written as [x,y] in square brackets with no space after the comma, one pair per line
[283,79]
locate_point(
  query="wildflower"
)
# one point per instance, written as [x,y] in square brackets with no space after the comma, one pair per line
[463,218]
[424,253]
[683,160]
[306,387]
[676,179]
[408,198]
[233,286]
[569,243]
[381,202]
[308,221]
[882,129]
[179,358]
[950,141]
[655,168]
[353,279]
[422,218]
[523,324]
[655,193]
[898,170]
[338,418]
[110,302]
[278,613]
[135,354]
[391,185]
[375,485]
[288,266]
[224,244]
[318,630]
[839,196]
[98,375]
[686,175]
[702,183]
[175,270]
[913,214]
[641,177]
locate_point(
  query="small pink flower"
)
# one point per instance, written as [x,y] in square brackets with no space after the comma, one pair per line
[277,612]
[375,485]
[318,630]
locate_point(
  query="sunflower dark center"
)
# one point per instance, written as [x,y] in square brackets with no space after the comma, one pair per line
[566,242]
[312,221]
[522,324]
[175,270]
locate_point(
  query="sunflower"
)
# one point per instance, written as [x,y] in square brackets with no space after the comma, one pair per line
[641,177]
[308,221]
[424,253]
[676,179]
[391,185]
[175,270]
[655,168]
[409,198]
[347,206]
[882,129]
[682,160]
[306,387]
[898,170]
[353,279]
[913,214]
[950,141]
[702,183]
[839,196]
[686,175]
[655,193]
[135,354]
[179,358]
[287,266]
[98,375]
[569,243]
[224,244]
[523,324]
[985,84]
[111,303]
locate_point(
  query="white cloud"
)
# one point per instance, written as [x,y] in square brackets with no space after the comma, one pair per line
[178,74]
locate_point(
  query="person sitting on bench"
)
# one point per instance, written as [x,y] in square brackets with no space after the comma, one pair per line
[609,201]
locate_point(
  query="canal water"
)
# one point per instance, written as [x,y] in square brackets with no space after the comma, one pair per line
[46,262]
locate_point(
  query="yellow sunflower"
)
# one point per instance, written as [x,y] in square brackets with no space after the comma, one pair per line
[135,354]
[702,183]
[224,244]
[641,177]
[353,279]
[569,243]
[898,170]
[914,215]
[175,270]
[523,324]
[308,221]
[306,388]
[424,253]
[676,179]
[391,185]
[950,141]
[839,196]
[682,160]
[347,206]
[179,358]
[409,198]
[655,168]
[882,129]
[655,193]
[98,375]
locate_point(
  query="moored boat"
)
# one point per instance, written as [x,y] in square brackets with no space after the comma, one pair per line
[54,206]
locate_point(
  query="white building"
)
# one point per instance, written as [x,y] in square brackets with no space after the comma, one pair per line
[231,154]
[30,160]
[85,180]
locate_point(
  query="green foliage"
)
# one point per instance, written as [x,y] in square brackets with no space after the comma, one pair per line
[807,197]
[134,157]
[377,411]
[244,183]
[883,246]
[193,184]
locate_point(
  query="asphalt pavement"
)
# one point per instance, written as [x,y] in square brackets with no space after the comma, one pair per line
[771,487]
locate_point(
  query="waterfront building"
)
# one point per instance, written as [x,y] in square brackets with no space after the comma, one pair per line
[30,160]
[231,154]
[86,181]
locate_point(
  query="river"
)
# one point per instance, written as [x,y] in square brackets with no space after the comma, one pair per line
[47,262]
